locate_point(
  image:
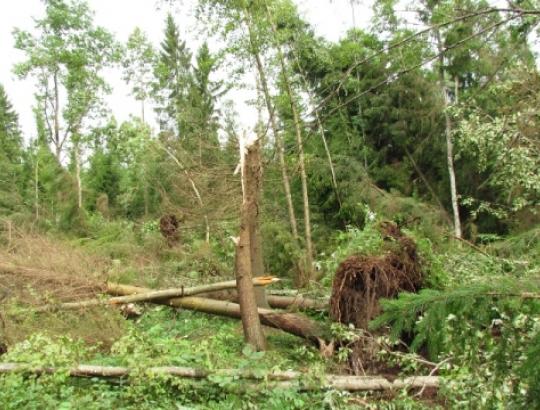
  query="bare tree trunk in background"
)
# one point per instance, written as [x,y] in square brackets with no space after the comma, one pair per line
[57,143]
[321,130]
[275,129]
[301,157]
[36,187]
[78,175]
[449,142]
[244,258]
[303,175]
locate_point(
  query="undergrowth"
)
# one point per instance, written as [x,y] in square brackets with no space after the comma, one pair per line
[167,337]
[483,338]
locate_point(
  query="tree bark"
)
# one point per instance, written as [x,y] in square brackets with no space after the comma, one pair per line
[57,143]
[449,142]
[281,302]
[273,123]
[253,171]
[329,381]
[295,324]
[301,157]
[244,258]
[152,295]
[78,174]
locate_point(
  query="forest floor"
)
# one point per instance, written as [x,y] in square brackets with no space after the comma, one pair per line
[37,269]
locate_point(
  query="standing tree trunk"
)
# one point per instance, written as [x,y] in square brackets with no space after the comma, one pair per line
[249,160]
[303,175]
[301,157]
[315,110]
[253,170]
[57,143]
[36,185]
[78,174]
[273,124]
[449,142]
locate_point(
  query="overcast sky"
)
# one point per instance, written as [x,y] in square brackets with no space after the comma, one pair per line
[330,19]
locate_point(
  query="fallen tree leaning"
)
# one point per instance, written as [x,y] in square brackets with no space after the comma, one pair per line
[307,382]
[288,322]
[153,295]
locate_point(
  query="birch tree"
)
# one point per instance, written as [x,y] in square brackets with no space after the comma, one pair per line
[66,58]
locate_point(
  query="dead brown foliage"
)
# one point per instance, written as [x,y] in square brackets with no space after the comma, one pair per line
[35,270]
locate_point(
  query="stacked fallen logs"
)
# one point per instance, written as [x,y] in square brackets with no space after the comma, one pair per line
[295,324]
[132,294]
[298,325]
[283,378]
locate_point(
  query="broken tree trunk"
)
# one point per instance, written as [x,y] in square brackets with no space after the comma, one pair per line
[154,294]
[244,258]
[253,178]
[326,382]
[295,324]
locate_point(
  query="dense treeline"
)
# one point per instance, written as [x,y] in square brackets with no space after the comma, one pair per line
[444,115]
[431,127]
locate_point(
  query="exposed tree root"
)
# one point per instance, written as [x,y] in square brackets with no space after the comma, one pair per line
[361,281]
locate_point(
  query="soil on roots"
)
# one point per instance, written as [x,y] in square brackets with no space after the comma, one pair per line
[169,228]
[361,281]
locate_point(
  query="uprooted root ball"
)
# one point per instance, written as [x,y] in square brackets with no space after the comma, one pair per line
[361,280]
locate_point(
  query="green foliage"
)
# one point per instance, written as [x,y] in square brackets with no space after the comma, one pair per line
[162,337]
[353,241]
[485,330]
[281,252]
[173,74]
[138,62]
[508,159]
[11,157]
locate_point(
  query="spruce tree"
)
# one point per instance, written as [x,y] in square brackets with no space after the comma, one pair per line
[10,155]
[174,79]
[203,95]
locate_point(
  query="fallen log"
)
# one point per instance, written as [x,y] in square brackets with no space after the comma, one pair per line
[153,295]
[275,301]
[296,302]
[307,382]
[288,322]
